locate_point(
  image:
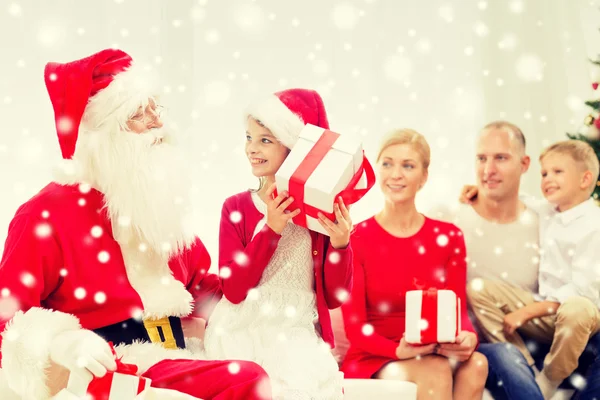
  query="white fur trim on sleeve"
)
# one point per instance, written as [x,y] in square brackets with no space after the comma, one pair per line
[26,349]
[280,120]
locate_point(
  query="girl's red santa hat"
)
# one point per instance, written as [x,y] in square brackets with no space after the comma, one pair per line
[104,87]
[285,113]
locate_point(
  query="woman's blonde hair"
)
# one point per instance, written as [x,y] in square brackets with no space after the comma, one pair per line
[407,136]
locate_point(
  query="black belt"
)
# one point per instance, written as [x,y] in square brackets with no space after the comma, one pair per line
[167,331]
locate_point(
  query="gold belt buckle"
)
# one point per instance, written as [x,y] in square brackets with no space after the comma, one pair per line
[159,331]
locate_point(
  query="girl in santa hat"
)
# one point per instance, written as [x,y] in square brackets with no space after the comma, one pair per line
[280,279]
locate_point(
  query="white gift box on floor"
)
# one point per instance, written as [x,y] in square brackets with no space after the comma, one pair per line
[379,389]
[320,166]
[432,316]
[150,393]
[113,386]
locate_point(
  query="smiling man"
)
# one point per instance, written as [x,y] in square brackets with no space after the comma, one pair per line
[501,233]
[502,239]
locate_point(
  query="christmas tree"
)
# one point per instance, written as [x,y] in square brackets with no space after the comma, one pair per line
[590,132]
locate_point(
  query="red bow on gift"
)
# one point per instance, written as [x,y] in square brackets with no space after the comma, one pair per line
[100,388]
[129,369]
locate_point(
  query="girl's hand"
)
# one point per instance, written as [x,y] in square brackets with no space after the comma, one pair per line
[277,214]
[338,230]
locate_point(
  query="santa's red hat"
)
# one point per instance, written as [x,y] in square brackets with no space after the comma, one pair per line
[94,87]
[285,113]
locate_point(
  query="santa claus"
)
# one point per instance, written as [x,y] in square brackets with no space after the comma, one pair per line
[103,254]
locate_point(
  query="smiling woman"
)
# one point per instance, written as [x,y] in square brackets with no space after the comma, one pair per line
[414,252]
[404,161]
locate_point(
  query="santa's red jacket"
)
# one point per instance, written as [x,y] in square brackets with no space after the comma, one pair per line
[63,270]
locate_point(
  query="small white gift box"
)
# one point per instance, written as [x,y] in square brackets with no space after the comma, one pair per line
[113,386]
[432,316]
[322,166]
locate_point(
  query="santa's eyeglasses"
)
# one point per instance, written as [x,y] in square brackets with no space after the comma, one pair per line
[149,116]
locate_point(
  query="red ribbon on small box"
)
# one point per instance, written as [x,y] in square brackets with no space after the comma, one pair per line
[429,313]
[317,153]
[122,384]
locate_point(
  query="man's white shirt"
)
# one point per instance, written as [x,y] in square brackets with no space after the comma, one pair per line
[507,252]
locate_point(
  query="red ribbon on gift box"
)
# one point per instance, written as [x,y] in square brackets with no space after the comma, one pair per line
[99,388]
[350,195]
[429,312]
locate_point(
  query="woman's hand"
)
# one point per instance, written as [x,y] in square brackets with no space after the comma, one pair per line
[406,351]
[461,349]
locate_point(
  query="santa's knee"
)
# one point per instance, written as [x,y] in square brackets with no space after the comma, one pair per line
[247,370]
[253,377]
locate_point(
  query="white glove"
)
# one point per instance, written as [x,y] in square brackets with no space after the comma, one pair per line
[83,353]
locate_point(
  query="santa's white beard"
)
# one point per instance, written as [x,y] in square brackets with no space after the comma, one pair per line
[144,184]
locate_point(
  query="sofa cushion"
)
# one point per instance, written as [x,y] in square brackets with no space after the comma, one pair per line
[361,389]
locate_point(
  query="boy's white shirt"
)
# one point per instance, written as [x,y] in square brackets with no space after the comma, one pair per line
[570,250]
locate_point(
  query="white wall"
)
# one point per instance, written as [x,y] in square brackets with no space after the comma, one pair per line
[441,67]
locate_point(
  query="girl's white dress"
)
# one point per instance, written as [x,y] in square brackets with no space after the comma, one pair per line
[275,325]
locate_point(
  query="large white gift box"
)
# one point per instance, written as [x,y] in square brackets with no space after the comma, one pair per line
[322,166]
[432,316]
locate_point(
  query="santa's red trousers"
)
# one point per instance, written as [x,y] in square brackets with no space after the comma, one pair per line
[212,380]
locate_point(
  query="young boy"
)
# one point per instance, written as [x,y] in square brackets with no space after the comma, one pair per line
[565,312]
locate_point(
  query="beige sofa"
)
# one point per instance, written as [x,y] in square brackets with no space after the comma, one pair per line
[357,389]
[354,389]
[381,389]
[365,389]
